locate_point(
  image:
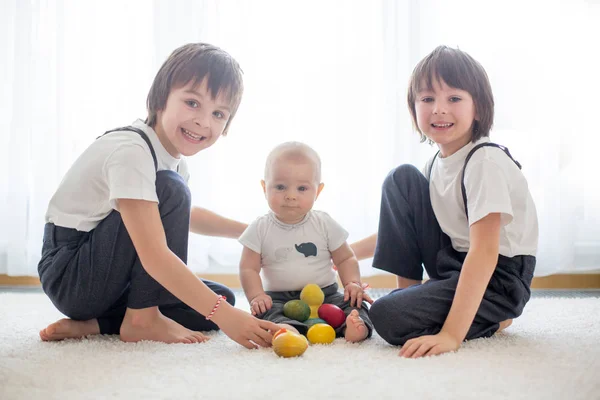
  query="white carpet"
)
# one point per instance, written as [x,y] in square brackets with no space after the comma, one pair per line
[551,352]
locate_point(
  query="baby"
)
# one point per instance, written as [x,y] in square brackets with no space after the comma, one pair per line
[294,245]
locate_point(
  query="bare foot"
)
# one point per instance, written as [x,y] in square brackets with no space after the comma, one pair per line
[150,324]
[356,330]
[68,329]
[504,324]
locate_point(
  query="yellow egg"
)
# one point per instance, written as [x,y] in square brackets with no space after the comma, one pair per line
[313,296]
[289,344]
[321,334]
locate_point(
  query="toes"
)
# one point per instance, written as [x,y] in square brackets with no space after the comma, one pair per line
[50,329]
[200,337]
[48,333]
[197,337]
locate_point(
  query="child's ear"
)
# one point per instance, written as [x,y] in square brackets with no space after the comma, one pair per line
[264,186]
[321,186]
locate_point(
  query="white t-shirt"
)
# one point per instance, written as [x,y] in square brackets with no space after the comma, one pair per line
[293,256]
[118,165]
[494,184]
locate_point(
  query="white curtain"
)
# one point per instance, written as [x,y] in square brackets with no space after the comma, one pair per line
[330,73]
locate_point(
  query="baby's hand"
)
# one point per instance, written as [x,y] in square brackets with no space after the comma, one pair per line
[355,291]
[261,304]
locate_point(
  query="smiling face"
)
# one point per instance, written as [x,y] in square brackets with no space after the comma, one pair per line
[450,99]
[191,120]
[445,115]
[291,187]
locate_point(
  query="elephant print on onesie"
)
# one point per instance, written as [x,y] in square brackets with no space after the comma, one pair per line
[308,249]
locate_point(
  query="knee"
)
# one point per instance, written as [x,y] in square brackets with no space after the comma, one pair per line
[230,296]
[389,320]
[172,189]
[379,318]
[400,175]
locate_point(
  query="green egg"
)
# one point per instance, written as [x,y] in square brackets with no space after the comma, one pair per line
[297,310]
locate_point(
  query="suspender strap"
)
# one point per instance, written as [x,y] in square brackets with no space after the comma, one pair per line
[431,166]
[143,135]
[473,150]
[462,177]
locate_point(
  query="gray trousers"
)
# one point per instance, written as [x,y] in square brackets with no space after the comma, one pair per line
[332,296]
[97,274]
[410,238]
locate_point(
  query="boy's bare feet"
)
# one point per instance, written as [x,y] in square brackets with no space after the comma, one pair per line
[356,330]
[504,324]
[150,324]
[69,329]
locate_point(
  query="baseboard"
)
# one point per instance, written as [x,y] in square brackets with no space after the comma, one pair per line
[559,281]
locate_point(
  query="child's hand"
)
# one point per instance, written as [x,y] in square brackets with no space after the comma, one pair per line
[431,345]
[243,328]
[356,293]
[261,304]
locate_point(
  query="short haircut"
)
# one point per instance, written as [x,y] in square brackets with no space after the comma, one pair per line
[294,151]
[458,70]
[193,63]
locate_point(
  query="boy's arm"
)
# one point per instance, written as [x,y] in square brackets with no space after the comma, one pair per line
[475,275]
[365,248]
[144,226]
[143,223]
[250,264]
[205,222]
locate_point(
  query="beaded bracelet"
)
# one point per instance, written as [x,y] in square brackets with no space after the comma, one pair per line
[215,307]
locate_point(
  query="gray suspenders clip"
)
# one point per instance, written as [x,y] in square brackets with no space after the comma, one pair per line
[462,178]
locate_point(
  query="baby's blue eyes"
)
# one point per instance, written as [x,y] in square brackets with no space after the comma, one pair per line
[279,187]
[192,103]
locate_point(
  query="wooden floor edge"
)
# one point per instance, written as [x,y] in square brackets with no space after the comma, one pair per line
[558,281]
